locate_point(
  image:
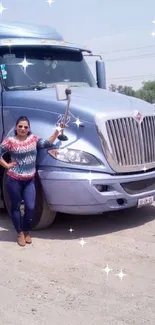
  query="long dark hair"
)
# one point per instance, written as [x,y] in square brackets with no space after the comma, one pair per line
[22,118]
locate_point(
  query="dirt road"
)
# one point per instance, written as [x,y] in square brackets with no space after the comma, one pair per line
[57,281]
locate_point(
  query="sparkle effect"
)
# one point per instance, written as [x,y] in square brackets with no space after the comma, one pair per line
[50,2]
[78,122]
[82,242]
[153,33]
[90,178]
[71,230]
[2,8]
[144,169]
[121,275]
[25,64]
[107,270]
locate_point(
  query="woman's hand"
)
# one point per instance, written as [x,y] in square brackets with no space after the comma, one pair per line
[11,164]
[56,133]
[59,129]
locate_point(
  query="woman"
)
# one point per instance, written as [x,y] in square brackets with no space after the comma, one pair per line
[21,173]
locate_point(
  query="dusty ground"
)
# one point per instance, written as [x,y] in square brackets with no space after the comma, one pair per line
[57,281]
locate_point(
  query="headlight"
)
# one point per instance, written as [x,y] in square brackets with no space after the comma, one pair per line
[74,157]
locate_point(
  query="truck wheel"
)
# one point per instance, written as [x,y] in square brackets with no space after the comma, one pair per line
[43,216]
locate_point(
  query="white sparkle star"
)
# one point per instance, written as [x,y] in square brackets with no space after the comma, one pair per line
[82,242]
[153,21]
[153,33]
[25,64]
[90,177]
[144,169]
[50,2]
[121,275]
[107,270]
[2,8]
[71,230]
[78,122]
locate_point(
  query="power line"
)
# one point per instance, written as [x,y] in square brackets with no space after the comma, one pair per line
[127,58]
[132,77]
[144,75]
[130,49]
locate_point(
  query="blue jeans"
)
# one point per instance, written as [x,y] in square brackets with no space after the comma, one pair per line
[21,190]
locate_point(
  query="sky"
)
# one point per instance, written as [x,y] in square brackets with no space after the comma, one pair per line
[119,30]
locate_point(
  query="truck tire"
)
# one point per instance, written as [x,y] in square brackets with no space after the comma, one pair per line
[43,216]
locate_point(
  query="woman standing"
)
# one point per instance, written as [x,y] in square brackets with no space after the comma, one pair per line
[21,174]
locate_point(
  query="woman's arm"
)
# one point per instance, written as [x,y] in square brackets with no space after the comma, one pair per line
[53,137]
[6,165]
[43,143]
[5,147]
[3,163]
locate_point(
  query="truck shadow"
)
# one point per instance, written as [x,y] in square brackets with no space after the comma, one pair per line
[84,226]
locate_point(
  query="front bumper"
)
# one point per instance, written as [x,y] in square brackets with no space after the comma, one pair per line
[74,192]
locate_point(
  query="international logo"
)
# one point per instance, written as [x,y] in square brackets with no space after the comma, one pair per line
[138,117]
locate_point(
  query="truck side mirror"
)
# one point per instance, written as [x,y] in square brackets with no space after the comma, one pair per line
[101,74]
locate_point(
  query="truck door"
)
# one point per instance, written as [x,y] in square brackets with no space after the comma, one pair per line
[1,115]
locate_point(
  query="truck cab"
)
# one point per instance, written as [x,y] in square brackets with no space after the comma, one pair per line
[107,162]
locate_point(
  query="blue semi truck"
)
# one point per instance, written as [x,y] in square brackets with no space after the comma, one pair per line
[107,162]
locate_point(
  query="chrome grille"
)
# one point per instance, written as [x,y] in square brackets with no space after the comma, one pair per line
[132,143]
[148,133]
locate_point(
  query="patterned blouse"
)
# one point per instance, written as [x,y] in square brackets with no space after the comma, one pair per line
[24,153]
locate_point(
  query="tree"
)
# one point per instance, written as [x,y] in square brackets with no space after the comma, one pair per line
[113,88]
[129,91]
[146,92]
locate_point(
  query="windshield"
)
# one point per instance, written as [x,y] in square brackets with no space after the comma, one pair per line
[29,67]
